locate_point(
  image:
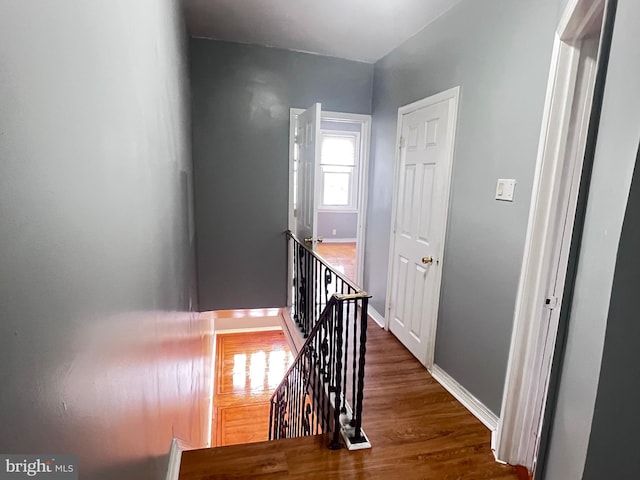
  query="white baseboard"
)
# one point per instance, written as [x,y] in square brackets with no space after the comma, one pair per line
[471,403]
[375,316]
[247,324]
[339,240]
[291,331]
[494,447]
[175,458]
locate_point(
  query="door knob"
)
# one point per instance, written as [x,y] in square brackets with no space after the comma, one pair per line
[308,240]
[427,260]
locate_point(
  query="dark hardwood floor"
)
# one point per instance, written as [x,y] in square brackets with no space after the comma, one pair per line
[417,429]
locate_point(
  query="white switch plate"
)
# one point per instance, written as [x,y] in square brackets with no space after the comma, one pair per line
[505,188]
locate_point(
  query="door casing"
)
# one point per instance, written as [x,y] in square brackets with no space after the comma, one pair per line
[363,180]
[453,96]
[551,218]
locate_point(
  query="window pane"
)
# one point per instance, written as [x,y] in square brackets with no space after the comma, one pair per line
[338,150]
[336,188]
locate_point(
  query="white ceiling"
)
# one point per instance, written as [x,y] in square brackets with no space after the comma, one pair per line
[364,30]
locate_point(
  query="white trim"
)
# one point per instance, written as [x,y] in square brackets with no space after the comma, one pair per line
[453,95]
[354,446]
[249,330]
[552,212]
[292,332]
[354,181]
[293,113]
[342,210]
[246,324]
[339,240]
[363,187]
[470,402]
[376,316]
[175,458]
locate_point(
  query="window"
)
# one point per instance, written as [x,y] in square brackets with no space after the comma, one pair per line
[338,170]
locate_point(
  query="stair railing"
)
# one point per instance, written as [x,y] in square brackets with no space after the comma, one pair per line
[322,392]
[314,281]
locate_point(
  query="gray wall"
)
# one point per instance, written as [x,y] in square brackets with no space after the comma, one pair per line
[241,97]
[499,52]
[99,355]
[613,445]
[612,172]
[345,224]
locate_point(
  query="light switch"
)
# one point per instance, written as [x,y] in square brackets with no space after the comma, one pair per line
[505,188]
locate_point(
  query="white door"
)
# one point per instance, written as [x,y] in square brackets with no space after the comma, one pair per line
[308,143]
[422,197]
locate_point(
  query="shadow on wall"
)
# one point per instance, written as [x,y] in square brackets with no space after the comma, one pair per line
[137,381]
[139,372]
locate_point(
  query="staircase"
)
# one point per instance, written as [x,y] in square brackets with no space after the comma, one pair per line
[419,430]
[319,403]
[323,390]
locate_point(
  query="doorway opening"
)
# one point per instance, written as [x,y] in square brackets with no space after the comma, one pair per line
[328,185]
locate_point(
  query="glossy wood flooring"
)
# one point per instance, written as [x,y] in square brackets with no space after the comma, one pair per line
[249,366]
[341,255]
[417,429]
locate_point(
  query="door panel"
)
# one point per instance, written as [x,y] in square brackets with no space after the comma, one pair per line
[308,141]
[420,224]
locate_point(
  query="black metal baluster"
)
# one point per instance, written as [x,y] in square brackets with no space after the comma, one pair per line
[321,379]
[292,403]
[310,294]
[363,351]
[301,404]
[314,391]
[346,354]
[327,369]
[328,280]
[305,294]
[276,415]
[296,413]
[296,291]
[286,425]
[270,419]
[298,400]
[318,290]
[331,350]
[305,266]
[301,288]
[355,355]
[335,442]
[311,387]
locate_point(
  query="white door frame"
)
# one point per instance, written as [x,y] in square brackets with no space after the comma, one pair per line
[453,94]
[551,218]
[363,177]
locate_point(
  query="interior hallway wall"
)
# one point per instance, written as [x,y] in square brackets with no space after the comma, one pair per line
[100,355]
[241,98]
[499,53]
[595,409]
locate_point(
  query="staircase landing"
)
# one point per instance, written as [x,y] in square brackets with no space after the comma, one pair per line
[417,430]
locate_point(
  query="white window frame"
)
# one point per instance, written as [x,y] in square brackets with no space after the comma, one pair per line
[355,175]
